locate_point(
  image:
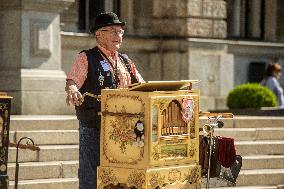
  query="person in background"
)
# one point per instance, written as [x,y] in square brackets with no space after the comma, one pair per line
[271,76]
[94,69]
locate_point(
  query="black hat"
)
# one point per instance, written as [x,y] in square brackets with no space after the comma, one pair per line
[105,19]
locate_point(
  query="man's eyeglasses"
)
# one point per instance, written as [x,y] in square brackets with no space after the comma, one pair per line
[114,32]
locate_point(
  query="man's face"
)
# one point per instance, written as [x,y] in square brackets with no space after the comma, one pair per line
[110,37]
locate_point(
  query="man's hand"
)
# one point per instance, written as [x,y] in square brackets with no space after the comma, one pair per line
[73,94]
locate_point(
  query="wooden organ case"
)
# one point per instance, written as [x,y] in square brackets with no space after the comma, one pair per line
[150,136]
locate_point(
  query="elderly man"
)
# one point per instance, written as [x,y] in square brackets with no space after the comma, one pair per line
[95,69]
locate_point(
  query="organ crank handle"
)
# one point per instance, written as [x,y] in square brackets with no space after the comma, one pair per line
[97,97]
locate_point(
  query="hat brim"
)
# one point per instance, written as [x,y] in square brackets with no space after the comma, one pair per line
[92,30]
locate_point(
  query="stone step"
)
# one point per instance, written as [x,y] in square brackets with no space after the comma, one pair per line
[69,122]
[262,147]
[46,153]
[258,122]
[249,122]
[263,162]
[259,177]
[251,134]
[43,122]
[72,183]
[47,137]
[59,183]
[44,170]
[65,169]
[258,139]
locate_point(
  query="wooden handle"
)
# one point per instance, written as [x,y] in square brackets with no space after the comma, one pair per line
[209,114]
[25,146]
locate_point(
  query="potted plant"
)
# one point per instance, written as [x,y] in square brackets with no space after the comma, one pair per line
[252,99]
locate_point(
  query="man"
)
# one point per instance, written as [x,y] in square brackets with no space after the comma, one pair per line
[95,69]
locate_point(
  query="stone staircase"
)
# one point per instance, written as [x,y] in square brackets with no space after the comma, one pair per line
[260,141]
[55,165]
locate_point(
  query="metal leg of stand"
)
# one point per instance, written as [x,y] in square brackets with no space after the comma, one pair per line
[209,159]
[17,160]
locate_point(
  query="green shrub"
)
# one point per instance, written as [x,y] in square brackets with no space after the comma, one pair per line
[251,95]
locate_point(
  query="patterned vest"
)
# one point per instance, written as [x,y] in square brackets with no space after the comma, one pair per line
[98,78]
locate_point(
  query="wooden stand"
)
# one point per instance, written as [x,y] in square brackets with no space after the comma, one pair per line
[5,109]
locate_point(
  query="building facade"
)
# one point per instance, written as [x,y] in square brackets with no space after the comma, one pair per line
[221,43]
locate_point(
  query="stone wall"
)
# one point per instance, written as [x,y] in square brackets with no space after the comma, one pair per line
[246,52]
[190,18]
[30,61]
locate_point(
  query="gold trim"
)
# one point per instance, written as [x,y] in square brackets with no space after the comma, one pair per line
[106,176]
[156,179]
[136,179]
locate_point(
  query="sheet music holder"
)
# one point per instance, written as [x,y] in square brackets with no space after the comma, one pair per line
[162,85]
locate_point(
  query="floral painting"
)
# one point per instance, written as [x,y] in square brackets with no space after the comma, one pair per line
[121,133]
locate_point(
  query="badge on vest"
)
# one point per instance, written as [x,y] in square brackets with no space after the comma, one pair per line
[101,79]
[105,65]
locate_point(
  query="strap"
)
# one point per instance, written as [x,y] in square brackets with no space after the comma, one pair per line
[125,58]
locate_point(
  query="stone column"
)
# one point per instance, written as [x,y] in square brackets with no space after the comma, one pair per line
[280,21]
[254,26]
[30,61]
[270,22]
[236,18]
[69,18]
[127,14]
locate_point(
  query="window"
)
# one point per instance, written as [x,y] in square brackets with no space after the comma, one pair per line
[256,72]
[246,19]
[89,9]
